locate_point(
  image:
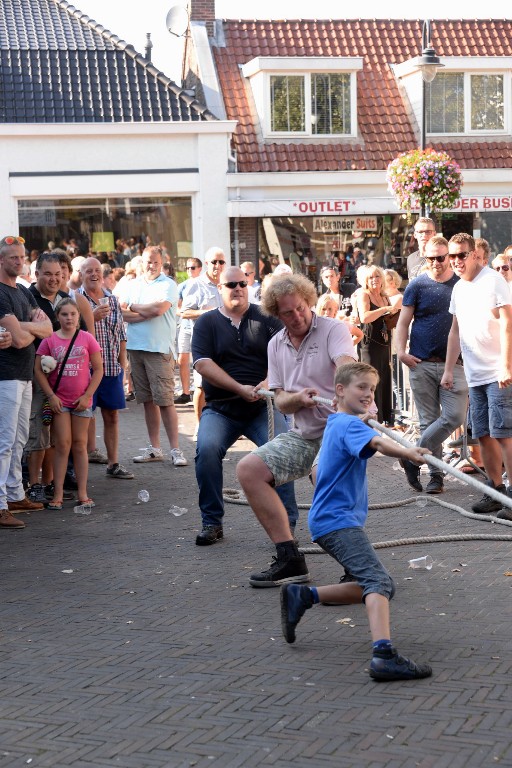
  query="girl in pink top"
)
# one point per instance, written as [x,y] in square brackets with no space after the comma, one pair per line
[73,399]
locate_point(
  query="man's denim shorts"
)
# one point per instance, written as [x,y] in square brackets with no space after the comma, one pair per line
[491,410]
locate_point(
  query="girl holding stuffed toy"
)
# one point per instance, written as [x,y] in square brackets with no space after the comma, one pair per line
[71,403]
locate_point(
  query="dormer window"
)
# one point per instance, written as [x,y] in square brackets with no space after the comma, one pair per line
[305,96]
[318,104]
[462,102]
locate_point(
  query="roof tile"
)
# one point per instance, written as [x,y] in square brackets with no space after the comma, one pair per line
[65,67]
[383,120]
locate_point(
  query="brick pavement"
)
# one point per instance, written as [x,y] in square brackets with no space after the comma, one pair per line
[154,652]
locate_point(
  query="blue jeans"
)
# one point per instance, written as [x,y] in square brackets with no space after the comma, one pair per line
[216,434]
[15,402]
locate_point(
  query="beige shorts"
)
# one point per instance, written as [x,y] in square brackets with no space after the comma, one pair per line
[153,377]
[39,433]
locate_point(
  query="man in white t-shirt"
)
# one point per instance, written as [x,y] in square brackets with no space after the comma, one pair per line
[482,331]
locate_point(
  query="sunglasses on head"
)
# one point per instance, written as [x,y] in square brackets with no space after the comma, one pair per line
[502,267]
[440,259]
[462,255]
[233,284]
[13,239]
[217,261]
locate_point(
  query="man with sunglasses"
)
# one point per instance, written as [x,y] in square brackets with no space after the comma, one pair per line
[424,229]
[482,330]
[426,305]
[22,322]
[229,347]
[202,297]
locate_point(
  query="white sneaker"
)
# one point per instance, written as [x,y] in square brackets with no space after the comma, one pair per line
[149,454]
[178,458]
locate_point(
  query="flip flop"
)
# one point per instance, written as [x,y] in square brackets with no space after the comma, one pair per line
[87,501]
[54,506]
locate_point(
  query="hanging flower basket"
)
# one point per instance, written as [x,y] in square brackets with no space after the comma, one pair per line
[426,178]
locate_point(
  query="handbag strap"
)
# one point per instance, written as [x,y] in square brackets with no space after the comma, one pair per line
[64,361]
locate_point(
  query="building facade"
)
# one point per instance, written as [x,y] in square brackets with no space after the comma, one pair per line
[97,144]
[324,106]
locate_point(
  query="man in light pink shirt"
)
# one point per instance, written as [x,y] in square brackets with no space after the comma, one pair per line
[302,359]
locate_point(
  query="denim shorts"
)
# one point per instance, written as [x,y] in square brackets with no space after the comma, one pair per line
[289,456]
[87,414]
[491,410]
[352,548]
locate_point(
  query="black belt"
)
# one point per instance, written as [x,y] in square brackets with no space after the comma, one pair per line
[435,359]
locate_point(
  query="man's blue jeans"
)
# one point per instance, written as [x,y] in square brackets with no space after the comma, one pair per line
[216,434]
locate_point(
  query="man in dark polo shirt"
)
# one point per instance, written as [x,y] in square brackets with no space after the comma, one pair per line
[229,349]
[426,304]
[22,318]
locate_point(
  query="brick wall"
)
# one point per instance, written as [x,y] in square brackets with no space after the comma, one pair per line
[203,10]
[247,240]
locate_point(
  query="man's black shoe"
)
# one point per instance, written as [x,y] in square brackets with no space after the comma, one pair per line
[486,505]
[291,570]
[183,399]
[435,484]
[505,514]
[412,473]
[389,665]
[209,535]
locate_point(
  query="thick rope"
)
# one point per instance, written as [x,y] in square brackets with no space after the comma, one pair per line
[235,496]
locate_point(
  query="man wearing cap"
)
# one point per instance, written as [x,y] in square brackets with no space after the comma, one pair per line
[24,322]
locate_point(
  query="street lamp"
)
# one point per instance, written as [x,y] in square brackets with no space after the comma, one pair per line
[428,64]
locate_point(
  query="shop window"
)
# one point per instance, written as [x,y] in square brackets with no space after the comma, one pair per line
[100,222]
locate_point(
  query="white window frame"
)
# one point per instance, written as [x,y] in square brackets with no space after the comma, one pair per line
[468,96]
[261,69]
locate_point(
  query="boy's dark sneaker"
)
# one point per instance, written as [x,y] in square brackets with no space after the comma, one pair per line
[70,483]
[486,505]
[209,535]
[435,484]
[295,600]
[412,473]
[291,570]
[389,665]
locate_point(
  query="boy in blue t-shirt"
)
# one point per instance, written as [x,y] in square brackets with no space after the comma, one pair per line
[337,517]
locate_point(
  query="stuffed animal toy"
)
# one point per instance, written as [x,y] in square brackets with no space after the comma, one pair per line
[48,363]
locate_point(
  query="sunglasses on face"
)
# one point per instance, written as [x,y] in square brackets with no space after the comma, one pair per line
[191,267]
[233,284]
[248,274]
[502,268]
[462,255]
[440,259]
[13,240]
[217,261]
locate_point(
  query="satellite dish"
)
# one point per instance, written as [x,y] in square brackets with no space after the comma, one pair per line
[177,21]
